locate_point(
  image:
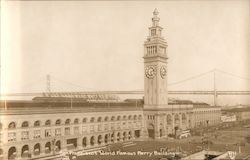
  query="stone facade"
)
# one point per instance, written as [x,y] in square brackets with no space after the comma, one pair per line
[46,134]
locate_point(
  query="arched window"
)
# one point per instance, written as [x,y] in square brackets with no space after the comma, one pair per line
[129,117]
[12,153]
[1,126]
[112,118]
[25,151]
[47,123]
[36,123]
[48,147]
[124,117]
[135,117]
[67,121]
[106,118]
[183,118]
[176,118]
[118,118]
[84,120]
[25,124]
[12,125]
[76,121]
[58,122]
[169,119]
[37,149]
[92,119]
[99,119]
[140,117]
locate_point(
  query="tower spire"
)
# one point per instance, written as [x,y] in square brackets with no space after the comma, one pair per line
[155,19]
[155,29]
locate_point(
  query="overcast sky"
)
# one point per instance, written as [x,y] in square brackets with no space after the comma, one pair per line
[99,45]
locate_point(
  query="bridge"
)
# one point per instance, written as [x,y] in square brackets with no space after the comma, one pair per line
[74,94]
[214,92]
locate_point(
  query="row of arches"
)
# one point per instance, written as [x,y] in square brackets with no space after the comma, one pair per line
[176,118]
[26,151]
[88,141]
[37,123]
[110,137]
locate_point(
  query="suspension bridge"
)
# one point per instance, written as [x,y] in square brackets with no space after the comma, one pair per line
[214,92]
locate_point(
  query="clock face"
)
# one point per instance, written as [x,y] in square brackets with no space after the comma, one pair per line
[163,72]
[150,71]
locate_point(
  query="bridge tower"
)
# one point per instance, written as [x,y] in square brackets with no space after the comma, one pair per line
[48,82]
[155,78]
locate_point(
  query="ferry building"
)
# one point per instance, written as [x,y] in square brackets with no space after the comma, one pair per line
[46,125]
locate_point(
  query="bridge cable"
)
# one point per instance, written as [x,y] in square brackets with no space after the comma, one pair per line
[191,78]
[233,75]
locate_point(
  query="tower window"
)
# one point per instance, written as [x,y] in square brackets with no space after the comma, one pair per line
[153,32]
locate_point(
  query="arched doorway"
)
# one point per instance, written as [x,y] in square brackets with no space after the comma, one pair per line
[92,141]
[184,119]
[12,153]
[106,138]
[58,146]
[151,131]
[112,137]
[118,136]
[25,151]
[169,120]
[37,149]
[161,130]
[84,142]
[48,147]
[137,133]
[176,119]
[99,139]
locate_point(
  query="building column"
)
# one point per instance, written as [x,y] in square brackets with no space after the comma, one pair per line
[115,137]
[144,133]
[18,152]
[103,139]
[42,148]
[109,138]
[181,126]
[79,142]
[63,144]
[121,136]
[165,134]
[87,141]
[173,125]
[157,127]
[132,134]
[96,140]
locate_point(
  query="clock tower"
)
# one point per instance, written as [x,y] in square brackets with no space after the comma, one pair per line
[155,81]
[155,67]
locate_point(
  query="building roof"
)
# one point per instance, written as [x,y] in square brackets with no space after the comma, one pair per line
[79,104]
[65,105]
[246,109]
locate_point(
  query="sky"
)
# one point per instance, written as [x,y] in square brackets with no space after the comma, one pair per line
[98,45]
